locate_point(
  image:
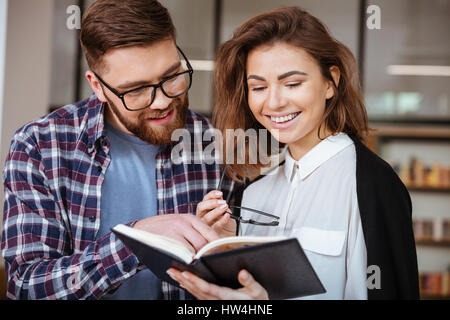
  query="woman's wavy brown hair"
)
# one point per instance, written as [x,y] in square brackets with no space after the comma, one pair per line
[344,112]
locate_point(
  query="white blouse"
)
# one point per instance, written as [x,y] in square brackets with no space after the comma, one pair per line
[317,203]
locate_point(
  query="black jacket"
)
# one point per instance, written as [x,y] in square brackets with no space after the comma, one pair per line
[386,217]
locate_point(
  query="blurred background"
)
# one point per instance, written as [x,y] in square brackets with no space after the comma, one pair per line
[402,48]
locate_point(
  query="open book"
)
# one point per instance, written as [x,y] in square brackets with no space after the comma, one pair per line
[278,263]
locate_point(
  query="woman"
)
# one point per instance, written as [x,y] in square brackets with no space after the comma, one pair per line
[284,72]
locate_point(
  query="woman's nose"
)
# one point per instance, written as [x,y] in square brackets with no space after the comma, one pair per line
[275,98]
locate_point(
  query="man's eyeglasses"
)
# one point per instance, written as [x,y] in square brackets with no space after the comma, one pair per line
[143,97]
[274,221]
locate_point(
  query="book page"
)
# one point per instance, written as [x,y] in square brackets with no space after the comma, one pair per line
[230,243]
[162,243]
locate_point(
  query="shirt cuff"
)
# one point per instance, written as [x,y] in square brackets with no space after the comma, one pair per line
[117,260]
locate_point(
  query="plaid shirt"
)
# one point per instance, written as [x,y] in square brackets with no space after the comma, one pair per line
[53,178]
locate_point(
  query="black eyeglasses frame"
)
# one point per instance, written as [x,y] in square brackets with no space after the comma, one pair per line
[121,96]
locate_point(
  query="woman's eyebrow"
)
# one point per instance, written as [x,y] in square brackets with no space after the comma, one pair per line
[280,77]
[252,76]
[291,73]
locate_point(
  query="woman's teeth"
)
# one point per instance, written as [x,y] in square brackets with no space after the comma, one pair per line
[285,118]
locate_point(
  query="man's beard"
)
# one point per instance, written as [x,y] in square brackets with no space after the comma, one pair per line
[156,135]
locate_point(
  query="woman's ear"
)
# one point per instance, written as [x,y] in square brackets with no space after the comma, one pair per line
[336,75]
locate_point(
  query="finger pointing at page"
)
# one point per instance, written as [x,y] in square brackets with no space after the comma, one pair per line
[205,230]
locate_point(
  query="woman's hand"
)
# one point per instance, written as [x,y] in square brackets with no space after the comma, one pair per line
[203,290]
[212,210]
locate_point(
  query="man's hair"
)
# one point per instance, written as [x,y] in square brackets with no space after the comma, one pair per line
[110,24]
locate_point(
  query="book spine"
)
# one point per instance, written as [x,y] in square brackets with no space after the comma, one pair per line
[435,284]
[416,173]
[437,229]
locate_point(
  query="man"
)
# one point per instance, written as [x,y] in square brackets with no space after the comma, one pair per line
[72,175]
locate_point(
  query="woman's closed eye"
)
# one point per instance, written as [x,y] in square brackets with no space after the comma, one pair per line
[292,85]
[258,88]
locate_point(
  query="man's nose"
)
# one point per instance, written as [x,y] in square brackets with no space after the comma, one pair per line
[161,101]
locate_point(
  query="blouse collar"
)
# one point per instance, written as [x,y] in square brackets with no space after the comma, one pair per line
[314,158]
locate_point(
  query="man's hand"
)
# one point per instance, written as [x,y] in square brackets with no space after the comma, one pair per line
[203,290]
[212,210]
[186,228]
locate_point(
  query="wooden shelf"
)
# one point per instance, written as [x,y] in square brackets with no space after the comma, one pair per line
[428,189]
[379,132]
[418,131]
[2,282]
[437,243]
[382,133]
[426,296]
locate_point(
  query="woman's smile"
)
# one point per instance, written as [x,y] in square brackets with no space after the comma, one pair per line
[283,121]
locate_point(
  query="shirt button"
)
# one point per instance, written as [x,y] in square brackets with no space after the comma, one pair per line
[126,267]
[100,169]
[92,218]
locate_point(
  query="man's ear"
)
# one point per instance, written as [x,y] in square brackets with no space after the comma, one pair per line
[336,75]
[95,85]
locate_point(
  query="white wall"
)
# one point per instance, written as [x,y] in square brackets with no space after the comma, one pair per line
[27,67]
[3,26]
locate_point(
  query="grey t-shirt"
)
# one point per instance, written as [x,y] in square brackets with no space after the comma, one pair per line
[129,193]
